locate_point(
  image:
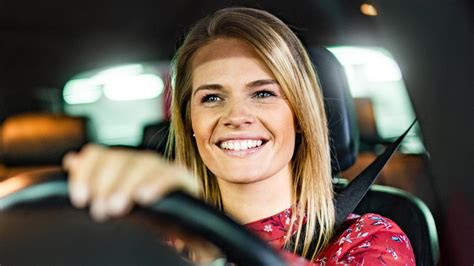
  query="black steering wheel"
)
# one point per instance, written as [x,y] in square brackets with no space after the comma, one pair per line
[39,226]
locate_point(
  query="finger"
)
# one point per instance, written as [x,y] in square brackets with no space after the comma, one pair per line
[81,171]
[167,179]
[69,160]
[121,198]
[107,177]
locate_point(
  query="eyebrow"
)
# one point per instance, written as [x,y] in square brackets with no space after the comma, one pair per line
[208,87]
[253,84]
[261,82]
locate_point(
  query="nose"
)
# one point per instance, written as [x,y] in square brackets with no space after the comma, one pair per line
[237,114]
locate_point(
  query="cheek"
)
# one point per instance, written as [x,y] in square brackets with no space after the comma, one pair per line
[289,139]
[286,123]
[287,131]
[196,120]
[202,126]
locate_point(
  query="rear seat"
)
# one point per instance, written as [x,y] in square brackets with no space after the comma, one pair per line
[36,141]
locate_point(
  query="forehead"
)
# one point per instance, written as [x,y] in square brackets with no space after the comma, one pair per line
[227,57]
[222,48]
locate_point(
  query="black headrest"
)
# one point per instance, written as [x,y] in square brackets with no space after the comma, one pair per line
[341,115]
[155,136]
[39,139]
[342,121]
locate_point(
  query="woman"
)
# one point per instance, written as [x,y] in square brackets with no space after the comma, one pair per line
[250,138]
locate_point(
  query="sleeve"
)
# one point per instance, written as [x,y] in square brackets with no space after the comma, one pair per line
[370,240]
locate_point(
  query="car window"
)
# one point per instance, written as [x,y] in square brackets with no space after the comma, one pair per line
[373,73]
[119,100]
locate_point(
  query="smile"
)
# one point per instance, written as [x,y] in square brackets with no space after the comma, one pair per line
[241,144]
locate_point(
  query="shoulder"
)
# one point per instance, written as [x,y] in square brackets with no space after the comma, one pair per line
[367,240]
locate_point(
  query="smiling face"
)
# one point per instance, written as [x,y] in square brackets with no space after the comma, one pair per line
[243,125]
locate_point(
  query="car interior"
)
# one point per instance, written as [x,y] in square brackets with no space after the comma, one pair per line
[408,211]
[423,187]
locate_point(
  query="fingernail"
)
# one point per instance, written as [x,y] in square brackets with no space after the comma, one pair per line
[117,205]
[145,195]
[69,158]
[98,211]
[80,196]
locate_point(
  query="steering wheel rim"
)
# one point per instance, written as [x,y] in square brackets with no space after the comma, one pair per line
[190,214]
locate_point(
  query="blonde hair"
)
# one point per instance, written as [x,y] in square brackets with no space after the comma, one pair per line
[285,56]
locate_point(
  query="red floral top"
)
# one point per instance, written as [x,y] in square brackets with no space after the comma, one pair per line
[369,239]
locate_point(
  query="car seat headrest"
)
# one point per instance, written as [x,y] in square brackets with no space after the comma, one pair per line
[39,139]
[338,102]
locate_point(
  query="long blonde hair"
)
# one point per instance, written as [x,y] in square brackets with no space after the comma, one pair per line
[285,56]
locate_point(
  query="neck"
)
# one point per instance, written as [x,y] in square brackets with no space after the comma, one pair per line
[253,201]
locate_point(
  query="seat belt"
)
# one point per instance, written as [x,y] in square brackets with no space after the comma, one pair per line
[348,199]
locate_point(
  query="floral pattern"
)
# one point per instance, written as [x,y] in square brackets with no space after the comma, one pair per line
[369,239]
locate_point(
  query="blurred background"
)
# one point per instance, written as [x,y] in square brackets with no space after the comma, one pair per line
[76,61]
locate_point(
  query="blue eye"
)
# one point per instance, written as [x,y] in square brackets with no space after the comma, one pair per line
[263,94]
[211,98]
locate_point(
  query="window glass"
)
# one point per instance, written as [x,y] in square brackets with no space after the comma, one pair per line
[119,100]
[373,73]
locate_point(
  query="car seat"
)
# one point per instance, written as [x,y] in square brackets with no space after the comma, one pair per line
[36,141]
[409,212]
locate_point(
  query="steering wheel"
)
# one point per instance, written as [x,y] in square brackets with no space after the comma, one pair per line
[39,226]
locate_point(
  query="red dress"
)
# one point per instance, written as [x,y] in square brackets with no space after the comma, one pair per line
[369,239]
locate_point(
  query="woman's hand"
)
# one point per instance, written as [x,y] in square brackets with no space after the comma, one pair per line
[111,180]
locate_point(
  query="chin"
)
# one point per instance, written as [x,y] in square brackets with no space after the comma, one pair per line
[241,178]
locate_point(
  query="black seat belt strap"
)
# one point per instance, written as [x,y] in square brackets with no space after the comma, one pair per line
[348,199]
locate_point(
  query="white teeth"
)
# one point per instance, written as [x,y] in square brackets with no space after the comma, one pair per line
[240,145]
